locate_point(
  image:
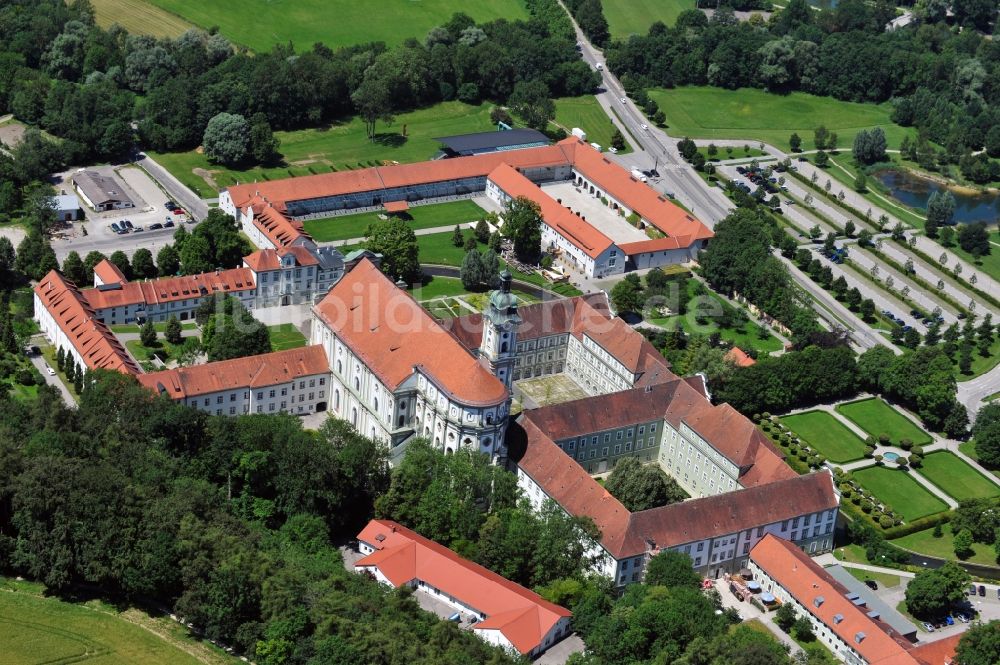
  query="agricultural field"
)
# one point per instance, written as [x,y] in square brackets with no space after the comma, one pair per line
[37,629]
[286,336]
[633,17]
[587,114]
[827,435]
[956,478]
[339,147]
[876,417]
[347,227]
[140,17]
[896,489]
[702,112]
[260,24]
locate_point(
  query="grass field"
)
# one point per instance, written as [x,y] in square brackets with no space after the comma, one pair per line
[924,542]
[633,17]
[342,146]
[37,630]
[260,24]
[989,264]
[826,434]
[899,491]
[421,217]
[587,114]
[876,417]
[286,336]
[754,115]
[165,350]
[951,474]
[139,17]
[160,327]
[883,579]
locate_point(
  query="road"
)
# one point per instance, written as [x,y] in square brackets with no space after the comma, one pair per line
[973,392]
[174,187]
[656,148]
[54,381]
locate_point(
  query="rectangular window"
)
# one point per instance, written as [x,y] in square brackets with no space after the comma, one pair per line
[652,428]
[619,436]
[232,410]
[642,430]
[270,407]
[270,393]
[572,445]
[604,451]
[629,433]
[593,453]
[218,399]
[618,449]
[284,405]
[284,392]
[232,397]
[260,407]
[607,437]
[322,381]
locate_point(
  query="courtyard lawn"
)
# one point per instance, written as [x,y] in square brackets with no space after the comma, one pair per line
[896,489]
[703,112]
[950,473]
[37,629]
[587,114]
[340,146]
[164,350]
[286,336]
[347,227]
[827,435]
[160,327]
[139,17]
[876,417]
[883,579]
[260,24]
[924,542]
[633,17]
[439,287]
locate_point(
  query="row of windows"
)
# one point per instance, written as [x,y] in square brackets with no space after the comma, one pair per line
[571,444]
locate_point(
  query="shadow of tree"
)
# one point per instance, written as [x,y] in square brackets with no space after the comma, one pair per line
[391,140]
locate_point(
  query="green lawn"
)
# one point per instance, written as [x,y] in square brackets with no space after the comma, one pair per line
[884,579]
[286,336]
[420,217]
[633,17]
[260,24]
[755,115]
[160,327]
[899,491]
[36,629]
[876,417]
[826,434]
[924,542]
[165,350]
[853,553]
[708,304]
[950,473]
[341,146]
[990,264]
[587,114]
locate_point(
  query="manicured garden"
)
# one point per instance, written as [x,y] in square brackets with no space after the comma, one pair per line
[755,115]
[286,336]
[924,542]
[956,478]
[827,435]
[895,488]
[876,417]
[260,24]
[419,217]
[339,147]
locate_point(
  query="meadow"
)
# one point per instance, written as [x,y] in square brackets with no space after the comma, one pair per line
[260,24]
[140,17]
[587,114]
[338,147]
[702,112]
[633,17]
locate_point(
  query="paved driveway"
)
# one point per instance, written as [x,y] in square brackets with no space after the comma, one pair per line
[54,381]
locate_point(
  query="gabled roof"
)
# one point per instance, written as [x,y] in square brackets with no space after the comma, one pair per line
[260,371]
[270,259]
[403,556]
[395,336]
[655,245]
[167,289]
[806,581]
[108,273]
[938,652]
[739,357]
[625,534]
[280,230]
[96,344]
[560,219]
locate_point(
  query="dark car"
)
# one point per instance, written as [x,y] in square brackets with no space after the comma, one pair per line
[128,223]
[972,589]
[167,224]
[872,584]
[982,590]
[153,227]
[169,205]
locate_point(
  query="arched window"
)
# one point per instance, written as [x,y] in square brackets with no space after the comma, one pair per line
[503,348]
[340,367]
[487,442]
[357,383]
[376,404]
[489,419]
[336,400]
[354,417]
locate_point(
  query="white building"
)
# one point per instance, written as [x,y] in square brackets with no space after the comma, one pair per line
[506,614]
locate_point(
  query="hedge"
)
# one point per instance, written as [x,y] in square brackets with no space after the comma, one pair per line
[927,522]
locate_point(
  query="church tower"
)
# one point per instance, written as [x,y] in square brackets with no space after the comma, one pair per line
[499,345]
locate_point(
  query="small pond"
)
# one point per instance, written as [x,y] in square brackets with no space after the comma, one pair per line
[914,191]
[890,457]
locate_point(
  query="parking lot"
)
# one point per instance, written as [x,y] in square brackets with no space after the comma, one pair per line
[100,236]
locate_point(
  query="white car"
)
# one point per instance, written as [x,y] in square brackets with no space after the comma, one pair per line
[645,127]
[598,66]
[623,100]
[50,371]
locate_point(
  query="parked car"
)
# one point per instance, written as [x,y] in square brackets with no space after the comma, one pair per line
[169,205]
[154,227]
[167,224]
[872,584]
[972,589]
[928,627]
[50,371]
[982,590]
[178,211]
[138,229]
[961,616]
[128,223]
[115,227]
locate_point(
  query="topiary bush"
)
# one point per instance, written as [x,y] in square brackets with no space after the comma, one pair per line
[885,522]
[884,439]
[918,450]
[867,507]
[905,444]
[869,451]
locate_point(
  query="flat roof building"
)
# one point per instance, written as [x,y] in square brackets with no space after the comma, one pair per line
[464,145]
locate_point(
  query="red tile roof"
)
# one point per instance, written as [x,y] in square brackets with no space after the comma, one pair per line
[251,372]
[394,335]
[939,652]
[643,199]
[280,230]
[108,272]
[270,259]
[738,439]
[655,245]
[805,580]
[95,343]
[739,357]
[559,218]
[396,206]
[625,534]
[167,289]
[402,556]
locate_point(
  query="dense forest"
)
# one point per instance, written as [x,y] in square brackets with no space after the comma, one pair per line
[941,78]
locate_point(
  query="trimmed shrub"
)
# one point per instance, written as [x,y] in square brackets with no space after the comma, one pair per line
[884,439]
[905,444]
[885,522]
